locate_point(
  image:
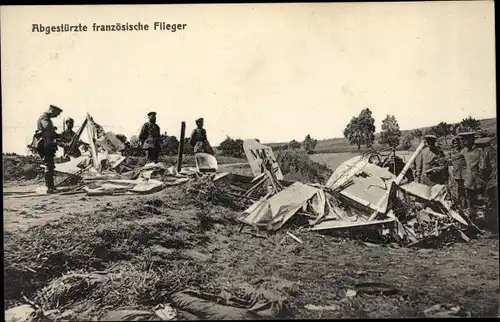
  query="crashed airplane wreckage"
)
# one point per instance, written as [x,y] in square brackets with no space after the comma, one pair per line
[358,194]
[100,169]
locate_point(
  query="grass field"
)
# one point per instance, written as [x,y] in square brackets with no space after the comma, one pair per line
[333,160]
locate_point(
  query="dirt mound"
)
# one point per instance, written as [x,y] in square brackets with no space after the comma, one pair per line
[297,166]
[20,167]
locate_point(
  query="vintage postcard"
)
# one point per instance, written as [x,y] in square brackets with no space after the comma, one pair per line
[249,161]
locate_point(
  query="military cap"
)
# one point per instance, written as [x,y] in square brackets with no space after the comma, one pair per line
[467,134]
[55,108]
[430,136]
[199,120]
[69,119]
[151,113]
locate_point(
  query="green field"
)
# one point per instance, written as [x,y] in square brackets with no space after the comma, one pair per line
[333,160]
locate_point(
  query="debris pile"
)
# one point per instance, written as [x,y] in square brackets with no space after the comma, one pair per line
[362,193]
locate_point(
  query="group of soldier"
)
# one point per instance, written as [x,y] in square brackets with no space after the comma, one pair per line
[470,169]
[46,141]
[150,139]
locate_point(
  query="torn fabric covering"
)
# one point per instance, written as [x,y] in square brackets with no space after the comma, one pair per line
[110,142]
[205,162]
[423,191]
[369,186]
[346,170]
[92,132]
[76,164]
[277,210]
[253,304]
[116,185]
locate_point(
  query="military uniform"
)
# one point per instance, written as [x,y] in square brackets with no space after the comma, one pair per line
[67,135]
[199,140]
[457,169]
[46,144]
[150,139]
[430,166]
[474,182]
[488,167]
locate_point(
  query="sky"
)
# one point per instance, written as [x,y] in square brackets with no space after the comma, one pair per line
[274,72]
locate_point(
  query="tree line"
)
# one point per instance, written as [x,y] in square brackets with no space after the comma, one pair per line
[361,131]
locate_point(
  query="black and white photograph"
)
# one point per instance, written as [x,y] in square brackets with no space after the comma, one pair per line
[267,161]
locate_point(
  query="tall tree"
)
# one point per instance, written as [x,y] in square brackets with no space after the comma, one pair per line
[443,130]
[361,129]
[309,144]
[390,132]
[470,124]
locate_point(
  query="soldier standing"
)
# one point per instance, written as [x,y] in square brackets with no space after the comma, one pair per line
[457,169]
[473,181]
[431,163]
[488,168]
[199,140]
[46,144]
[150,138]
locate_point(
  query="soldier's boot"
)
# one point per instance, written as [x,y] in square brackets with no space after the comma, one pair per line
[49,182]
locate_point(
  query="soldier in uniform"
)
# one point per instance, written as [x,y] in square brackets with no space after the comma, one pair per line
[488,167]
[150,138]
[199,140]
[430,165]
[473,180]
[67,135]
[46,143]
[457,169]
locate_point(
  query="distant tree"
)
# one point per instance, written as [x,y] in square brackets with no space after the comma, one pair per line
[390,132]
[231,147]
[122,138]
[470,124]
[309,144]
[169,144]
[406,143]
[361,129]
[294,145]
[443,130]
[417,134]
